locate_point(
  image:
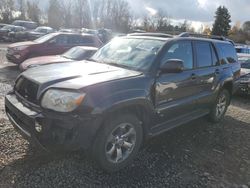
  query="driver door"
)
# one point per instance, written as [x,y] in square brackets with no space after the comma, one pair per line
[175,92]
[57,45]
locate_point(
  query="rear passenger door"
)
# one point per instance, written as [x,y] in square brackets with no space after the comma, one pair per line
[207,71]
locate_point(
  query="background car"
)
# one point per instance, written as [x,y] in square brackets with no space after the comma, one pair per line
[74,54]
[9,31]
[13,36]
[29,25]
[51,44]
[2,25]
[38,32]
[244,86]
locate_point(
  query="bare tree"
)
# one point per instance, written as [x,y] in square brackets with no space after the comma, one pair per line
[6,10]
[162,20]
[82,14]
[33,11]
[113,14]
[22,8]
[67,10]
[55,12]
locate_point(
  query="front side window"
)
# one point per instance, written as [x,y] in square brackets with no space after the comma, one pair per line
[62,40]
[181,50]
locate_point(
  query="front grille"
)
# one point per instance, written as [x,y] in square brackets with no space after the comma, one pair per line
[243,85]
[27,89]
[10,51]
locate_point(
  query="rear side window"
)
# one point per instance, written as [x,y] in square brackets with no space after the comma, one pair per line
[86,40]
[204,54]
[62,40]
[228,53]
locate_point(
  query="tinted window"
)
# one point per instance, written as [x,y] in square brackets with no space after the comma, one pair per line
[214,56]
[86,40]
[183,51]
[204,55]
[62,40]
[228,53]
[245,65]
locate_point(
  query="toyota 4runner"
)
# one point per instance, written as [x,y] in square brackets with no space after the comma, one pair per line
[133,88]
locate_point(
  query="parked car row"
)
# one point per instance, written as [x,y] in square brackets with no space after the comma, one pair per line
[244,87]
[51,44]
[11,32]
[21,30]
[77,53]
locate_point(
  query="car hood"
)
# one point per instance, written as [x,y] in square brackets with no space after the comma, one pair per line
[76,75]
[44,60]
[28,43]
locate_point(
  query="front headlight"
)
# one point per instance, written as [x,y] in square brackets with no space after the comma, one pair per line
[61,101]
[20,48]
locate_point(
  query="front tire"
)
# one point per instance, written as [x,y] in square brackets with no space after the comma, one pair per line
[118,142]
[220,107]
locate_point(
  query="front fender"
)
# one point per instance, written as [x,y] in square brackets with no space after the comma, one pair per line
[125,99]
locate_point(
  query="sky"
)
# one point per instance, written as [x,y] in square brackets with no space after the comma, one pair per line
[197,11]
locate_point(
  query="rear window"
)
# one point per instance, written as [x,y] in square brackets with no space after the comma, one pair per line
[26,24]
[228,53]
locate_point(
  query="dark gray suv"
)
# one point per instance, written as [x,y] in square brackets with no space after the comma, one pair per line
[133,88]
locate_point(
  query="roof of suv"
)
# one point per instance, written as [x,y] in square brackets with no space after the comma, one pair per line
[176,38]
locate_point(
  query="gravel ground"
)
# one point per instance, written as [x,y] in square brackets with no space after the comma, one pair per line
[198,154]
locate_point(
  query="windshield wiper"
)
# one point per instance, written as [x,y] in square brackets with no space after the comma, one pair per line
[118,65]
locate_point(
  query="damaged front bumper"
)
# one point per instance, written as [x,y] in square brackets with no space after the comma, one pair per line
[50,131]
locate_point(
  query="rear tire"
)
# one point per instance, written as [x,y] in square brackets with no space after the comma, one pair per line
[220,107]
[117,142]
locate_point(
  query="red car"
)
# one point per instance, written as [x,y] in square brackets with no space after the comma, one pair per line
[77,53]
[51,44]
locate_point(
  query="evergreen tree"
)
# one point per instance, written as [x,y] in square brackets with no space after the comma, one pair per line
[222,21]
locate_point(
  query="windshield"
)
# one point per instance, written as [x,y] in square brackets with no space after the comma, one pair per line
[133,53]
[44,38]
[7,27]
[41,30]
[75,53]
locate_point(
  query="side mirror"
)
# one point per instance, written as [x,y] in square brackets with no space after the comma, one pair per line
[172,66]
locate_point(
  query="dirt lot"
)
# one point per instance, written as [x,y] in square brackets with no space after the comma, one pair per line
[198,154]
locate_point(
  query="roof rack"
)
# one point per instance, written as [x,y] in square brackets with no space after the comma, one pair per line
[161,35]
[215,37]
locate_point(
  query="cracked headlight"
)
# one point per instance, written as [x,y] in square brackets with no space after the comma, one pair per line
[61,101]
